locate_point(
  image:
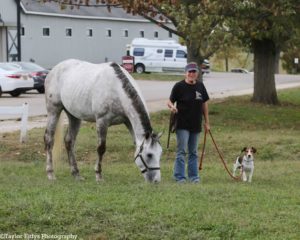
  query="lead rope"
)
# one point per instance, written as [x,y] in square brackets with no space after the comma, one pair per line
[221,157]
[203,150]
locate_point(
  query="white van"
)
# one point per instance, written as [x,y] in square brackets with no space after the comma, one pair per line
[158,55]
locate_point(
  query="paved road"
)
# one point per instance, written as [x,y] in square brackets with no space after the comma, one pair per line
[156,93]
[217,84]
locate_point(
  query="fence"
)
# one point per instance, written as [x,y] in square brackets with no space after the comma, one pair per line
[19,110]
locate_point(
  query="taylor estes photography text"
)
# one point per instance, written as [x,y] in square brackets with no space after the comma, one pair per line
[38,236]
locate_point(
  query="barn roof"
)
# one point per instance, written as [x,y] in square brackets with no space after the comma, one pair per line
[37,7]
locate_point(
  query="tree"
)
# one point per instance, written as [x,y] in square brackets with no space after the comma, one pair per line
[230,49]
[290,52]
[198,22]
[265,26]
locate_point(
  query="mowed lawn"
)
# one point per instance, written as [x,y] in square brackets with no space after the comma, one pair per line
[123,206]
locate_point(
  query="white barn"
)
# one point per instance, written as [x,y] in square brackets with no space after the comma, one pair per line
[49,34]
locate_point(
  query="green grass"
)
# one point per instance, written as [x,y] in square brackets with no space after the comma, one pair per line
[123,206]
[158,76]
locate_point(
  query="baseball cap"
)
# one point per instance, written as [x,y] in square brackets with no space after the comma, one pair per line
[191,66]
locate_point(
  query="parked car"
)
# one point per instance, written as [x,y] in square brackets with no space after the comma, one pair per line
[239,70]
[205,66]
[36,71]
[14,81]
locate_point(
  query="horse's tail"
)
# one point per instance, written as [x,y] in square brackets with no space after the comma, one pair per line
[57,152]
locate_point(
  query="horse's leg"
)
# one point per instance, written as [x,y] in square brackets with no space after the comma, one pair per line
[102,132]
[49,140]
[70,138]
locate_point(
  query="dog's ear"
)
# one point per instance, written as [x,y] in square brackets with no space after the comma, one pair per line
[244,149]
[253,149]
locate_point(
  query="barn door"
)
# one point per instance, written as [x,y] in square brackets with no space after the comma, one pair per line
[12,44]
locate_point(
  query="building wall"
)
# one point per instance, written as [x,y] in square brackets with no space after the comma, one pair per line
[8,23]
[8,11]
[50,50]
[3,55]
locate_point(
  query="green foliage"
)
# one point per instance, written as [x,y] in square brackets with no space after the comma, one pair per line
[292,51]
[238,59]
[158,76]
[200,24]
[265,26]
[256,19]
[289,60]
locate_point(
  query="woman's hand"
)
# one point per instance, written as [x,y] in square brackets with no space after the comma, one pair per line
[206,127]
[172,107]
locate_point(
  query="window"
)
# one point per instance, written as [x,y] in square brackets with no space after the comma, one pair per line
[22,31]
[180,54]
[168,53]
[155,34]
[125,33]
[170,35]
[138,52]
[89,32]
[142,34]
[69,32]
[46,31]
[108,32]
[159,51]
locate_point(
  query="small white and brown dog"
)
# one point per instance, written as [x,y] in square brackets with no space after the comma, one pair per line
[245,163]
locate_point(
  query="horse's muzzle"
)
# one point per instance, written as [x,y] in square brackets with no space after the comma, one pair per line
[152,176]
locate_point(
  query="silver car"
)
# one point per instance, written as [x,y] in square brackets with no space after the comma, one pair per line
[37,72]
[14,81]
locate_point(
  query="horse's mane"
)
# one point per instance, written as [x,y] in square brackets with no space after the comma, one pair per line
[134,96]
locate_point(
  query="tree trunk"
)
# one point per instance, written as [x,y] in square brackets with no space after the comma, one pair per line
[264,72]
[277,60]
[226,64]
[194,55]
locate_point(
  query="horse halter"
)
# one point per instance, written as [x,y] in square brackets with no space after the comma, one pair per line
[147,168]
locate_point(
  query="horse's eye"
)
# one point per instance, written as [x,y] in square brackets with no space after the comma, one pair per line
[149,155]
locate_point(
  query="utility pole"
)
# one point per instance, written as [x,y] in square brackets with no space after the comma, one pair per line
[18,2]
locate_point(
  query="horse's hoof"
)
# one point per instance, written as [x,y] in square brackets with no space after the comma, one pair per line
[99,178]
[51,177]
[79,178]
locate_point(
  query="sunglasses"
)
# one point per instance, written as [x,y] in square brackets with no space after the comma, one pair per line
[192,71]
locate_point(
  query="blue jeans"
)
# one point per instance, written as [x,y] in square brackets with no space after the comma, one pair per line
[186,140]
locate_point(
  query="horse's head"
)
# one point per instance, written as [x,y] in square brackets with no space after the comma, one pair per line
[147,157]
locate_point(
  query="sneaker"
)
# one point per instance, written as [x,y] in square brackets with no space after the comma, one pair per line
[181,181]
[195,181]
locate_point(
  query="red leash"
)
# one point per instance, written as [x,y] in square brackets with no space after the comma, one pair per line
[221,157]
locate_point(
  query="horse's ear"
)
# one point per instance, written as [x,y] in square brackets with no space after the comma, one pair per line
[159,135]
[147,135]
[156,136]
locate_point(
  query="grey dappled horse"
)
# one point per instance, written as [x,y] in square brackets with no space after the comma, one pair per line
[102,93]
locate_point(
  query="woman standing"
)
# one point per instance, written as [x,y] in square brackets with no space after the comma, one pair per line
[191,98]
